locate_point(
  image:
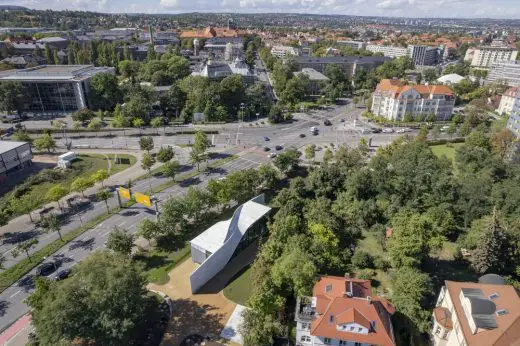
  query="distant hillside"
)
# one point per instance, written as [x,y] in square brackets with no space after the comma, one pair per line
[12,8]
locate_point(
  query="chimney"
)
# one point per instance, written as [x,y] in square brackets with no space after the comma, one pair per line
[347,275]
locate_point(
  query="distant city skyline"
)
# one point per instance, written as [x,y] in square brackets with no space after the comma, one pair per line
[499,9]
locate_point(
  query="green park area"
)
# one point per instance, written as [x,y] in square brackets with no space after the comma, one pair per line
[447,150]
[31,194]
[240,288]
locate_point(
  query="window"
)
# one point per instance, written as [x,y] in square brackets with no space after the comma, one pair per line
[327,341]
[304,325]
[305,338]
[341,342]
[328,288]
[493,296]
[351,329]
[360,330]
[331,318]
[502,312]
[437,330]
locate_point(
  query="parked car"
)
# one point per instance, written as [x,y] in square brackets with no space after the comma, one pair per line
[388,130]
[267,139]
[366,131]
[278,147]
[62,274]
[302,135]
[267,149]
[375,130]
[406,129]
[342,120]
[46,269]
[272,155]
[445,128]
[327,122]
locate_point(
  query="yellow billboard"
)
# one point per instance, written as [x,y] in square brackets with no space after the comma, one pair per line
[143,199]
[125,193]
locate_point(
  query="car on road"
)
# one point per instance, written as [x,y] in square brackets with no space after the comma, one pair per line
[366,131]
[342,120]
[272,155]
[267,149]
[46,269]
[278,147]
[62,274]
[327,122]
[403,130]
[388,130]
[267,139]
[375,130]
[314,130]
[302,135]
[445,128]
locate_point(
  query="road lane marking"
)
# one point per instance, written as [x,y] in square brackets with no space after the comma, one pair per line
[14,294]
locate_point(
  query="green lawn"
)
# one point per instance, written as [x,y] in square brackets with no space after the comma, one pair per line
[239,290]
[83,166]
[372,245]
[158,263]
[447,150]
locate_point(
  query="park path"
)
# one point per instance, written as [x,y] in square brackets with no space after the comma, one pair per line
[23,223]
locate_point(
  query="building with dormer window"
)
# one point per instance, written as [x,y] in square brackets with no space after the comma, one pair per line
[342,312]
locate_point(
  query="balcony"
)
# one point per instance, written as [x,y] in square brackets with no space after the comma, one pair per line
[304,309]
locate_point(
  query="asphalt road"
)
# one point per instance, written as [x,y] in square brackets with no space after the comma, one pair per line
[12,305]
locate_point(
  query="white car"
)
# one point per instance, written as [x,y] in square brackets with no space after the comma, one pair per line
[388,130]
[272,155]
[445,128]
[403,130]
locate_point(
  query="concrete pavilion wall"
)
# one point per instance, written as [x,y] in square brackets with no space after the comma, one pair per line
[218,260]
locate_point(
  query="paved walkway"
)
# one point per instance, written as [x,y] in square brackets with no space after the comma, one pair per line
[18,333]
[23,223]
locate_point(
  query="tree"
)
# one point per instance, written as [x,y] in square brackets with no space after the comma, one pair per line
[170,169]
[430,75]
[410,241]
[268,176]
[138,122]
[310,152]
[104,91]
[327,155]
[129,69]
[100,176]
[104,195]
[156,123]
[146,163]
[11,97]
[362,259]
[410,288]
[198,150]
[24,246]
[423,134]
[436,131]
[104,284]
[477,138]
[258,328]
[56,193]
[491,253]
[51,223]
[452,129]
[146,143]
[502,142]
[287,160]
[148,230]
[363,147]
[120,241]
[21,136]
[81,184]
[165,154]
[83,115]
[45,143]
[48,54]
[95,125]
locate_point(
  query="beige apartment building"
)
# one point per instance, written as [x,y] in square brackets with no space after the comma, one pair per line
[485,56]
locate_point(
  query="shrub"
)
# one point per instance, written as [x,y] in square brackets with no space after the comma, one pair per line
[381,263]
[366,274]
[362,259]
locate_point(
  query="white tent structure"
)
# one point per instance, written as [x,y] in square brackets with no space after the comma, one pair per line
[215,247]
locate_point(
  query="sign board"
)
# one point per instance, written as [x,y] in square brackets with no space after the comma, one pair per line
[125,193]
[143,199]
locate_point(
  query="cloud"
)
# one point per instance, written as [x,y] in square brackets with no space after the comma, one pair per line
[394,4]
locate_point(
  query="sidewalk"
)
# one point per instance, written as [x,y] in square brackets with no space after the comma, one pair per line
[23,223]
[18,333]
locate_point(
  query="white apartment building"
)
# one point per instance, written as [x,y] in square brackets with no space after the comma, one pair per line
[352,44]
[507,72]
[284,51]
[508,100]
[393,100]
[475,314]
[390,51]
[485,56]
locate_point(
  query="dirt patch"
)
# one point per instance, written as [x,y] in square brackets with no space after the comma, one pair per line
[45,158]
[203,314]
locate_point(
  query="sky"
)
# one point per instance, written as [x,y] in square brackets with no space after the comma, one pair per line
[397,8]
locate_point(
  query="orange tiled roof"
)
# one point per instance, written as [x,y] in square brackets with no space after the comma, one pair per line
[507,332]
[210,32]
[370,313]
[511,92]
[396,87]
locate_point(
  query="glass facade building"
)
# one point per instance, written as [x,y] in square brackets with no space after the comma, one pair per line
[55,88]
